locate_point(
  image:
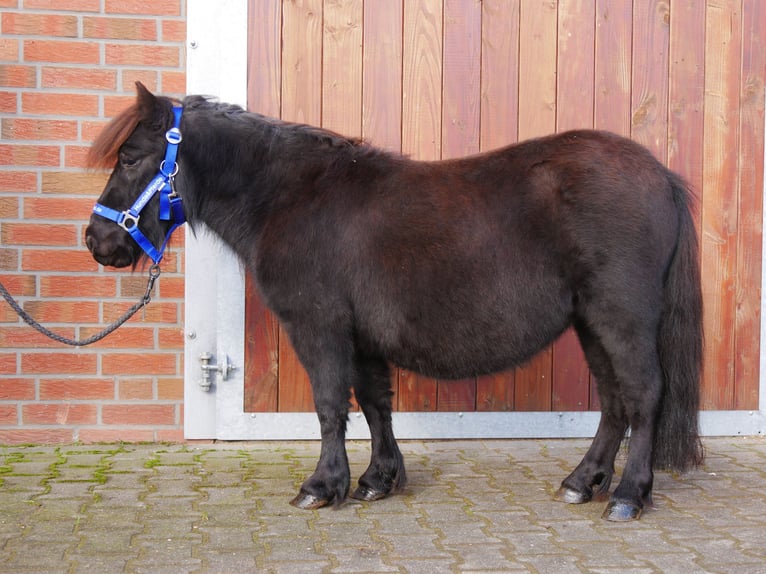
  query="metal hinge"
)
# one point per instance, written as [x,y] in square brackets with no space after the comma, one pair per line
[209,369]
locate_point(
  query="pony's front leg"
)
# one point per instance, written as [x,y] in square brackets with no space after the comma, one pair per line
[328,362]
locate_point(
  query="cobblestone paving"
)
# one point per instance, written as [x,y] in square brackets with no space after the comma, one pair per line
[471,506]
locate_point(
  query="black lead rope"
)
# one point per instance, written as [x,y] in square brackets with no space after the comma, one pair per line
[154,273]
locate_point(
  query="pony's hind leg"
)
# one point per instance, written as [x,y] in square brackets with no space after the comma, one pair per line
[386,472]
[628,340]
[597,466]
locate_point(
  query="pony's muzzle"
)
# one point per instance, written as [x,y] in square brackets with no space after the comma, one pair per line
[109,244]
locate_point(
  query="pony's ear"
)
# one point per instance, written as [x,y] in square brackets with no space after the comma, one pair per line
[152,110]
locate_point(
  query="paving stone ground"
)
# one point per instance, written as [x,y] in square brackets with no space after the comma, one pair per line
[470,506]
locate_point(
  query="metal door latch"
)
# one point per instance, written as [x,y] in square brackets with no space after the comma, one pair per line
[209,369]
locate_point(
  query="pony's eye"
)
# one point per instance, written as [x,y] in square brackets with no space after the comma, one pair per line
[127,161]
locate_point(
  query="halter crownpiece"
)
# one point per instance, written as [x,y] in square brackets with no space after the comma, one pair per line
[171,205]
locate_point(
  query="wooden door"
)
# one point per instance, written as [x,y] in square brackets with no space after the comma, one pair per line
[445,78]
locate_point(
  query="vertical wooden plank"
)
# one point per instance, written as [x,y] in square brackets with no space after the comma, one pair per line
[499,73]
[301,102]
[719,211]
[342,71]
[614,62]
[499,127]
[537,117]
[686,90]
[342,67]
[461,78]
[749,232]
[651,45]
[264,64]
[302,61]
[421,136]
[422,82]
[574,109]
[263,96]
[382,88]
[461,90]
[261,386]
[382,74]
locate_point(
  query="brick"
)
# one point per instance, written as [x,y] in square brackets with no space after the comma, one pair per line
[18,76]
[155,312]
[76,389]
[38,234]
[17,389]
[58,260]
[142,55]
[38,129]
[59,104]
[113,105]
[60,414]
[77,285]
[173,83]
[18,181]
[58,311]
[170,435]
[123,338]
[143,7]
[148,78]
[68,6]
[172,338]
[91,129]
[8,102]
[73,182]
[22,23]
[143,414]
[9,259]
[36,436]
[9,50]
[139,364]
[120,28]
[29,155]
[78,78]
[58,363]
[135,389]
[173,31]
[8,363]
[62,51]
[65,208]
[20,285]
[9,207]
[9,415]
[76,156]
[102,435]
[26,337]
[170,388]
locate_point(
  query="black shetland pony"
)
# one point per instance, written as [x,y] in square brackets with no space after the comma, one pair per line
[450,268]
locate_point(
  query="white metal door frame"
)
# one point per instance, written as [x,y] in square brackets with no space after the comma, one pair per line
[215,302]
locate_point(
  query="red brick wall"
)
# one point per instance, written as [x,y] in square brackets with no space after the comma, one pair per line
[65,68]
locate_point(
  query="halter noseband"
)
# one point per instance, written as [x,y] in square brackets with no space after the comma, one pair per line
[171,206]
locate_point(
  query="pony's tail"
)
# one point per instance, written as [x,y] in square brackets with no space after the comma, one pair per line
[677,445]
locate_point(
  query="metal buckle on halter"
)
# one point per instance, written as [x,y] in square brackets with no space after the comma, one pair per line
[129,221]
[173,135]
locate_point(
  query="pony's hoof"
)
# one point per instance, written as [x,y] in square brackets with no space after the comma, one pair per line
[621,511]
[306,501]
[570,496]
[368,494]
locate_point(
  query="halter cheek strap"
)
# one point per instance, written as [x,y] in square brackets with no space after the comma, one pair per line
[171,205]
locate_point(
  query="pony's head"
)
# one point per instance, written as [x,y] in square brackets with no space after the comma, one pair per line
[133,145]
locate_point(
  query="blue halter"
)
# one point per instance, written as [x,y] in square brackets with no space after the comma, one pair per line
[171,206]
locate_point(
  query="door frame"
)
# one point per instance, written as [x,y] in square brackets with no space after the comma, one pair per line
[215,305]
